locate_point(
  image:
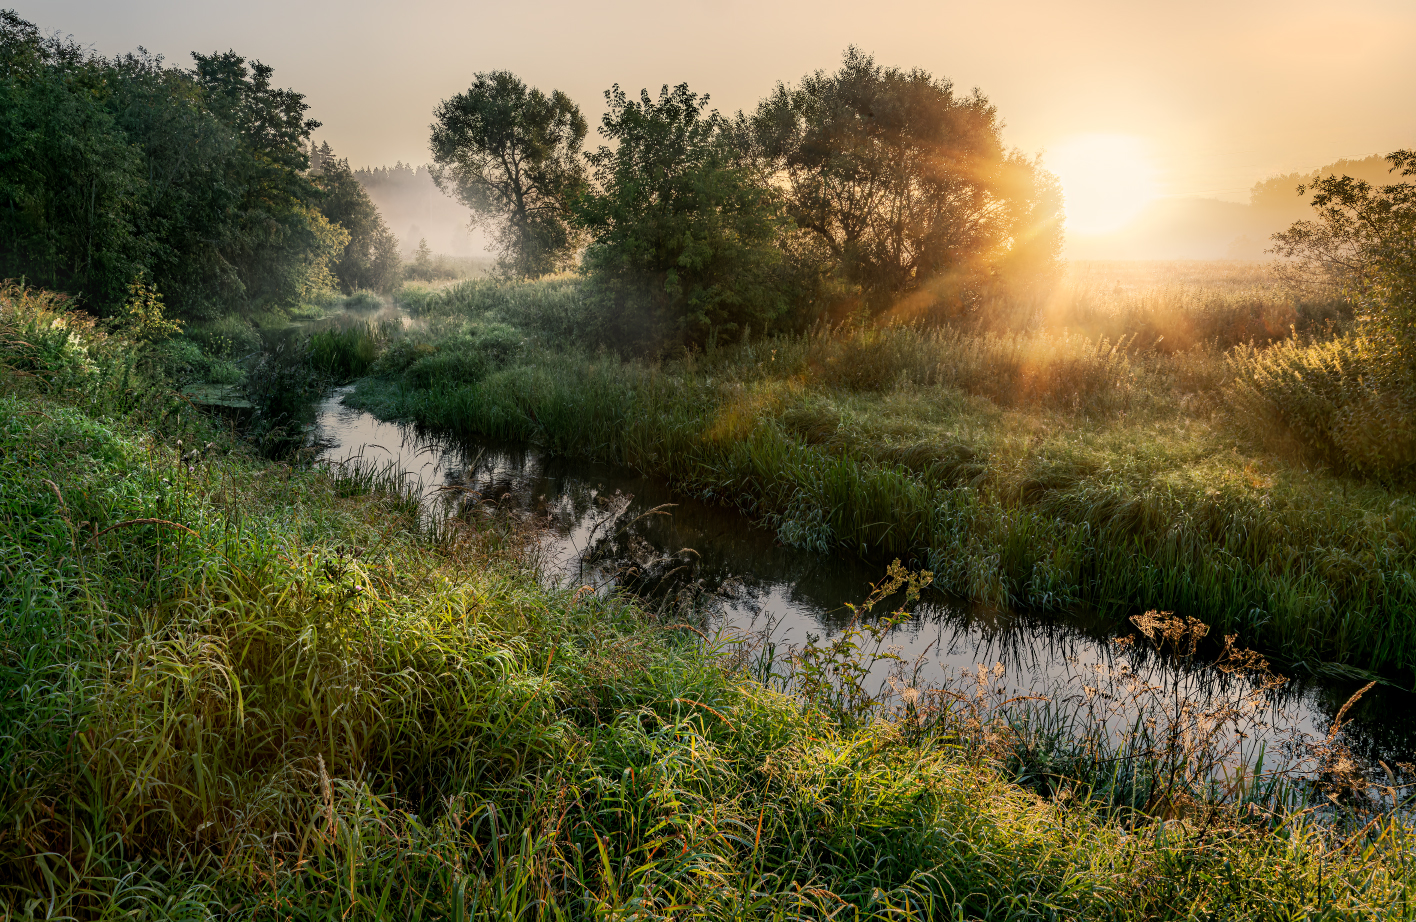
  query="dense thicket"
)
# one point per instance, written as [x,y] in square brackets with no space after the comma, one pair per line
[114,169]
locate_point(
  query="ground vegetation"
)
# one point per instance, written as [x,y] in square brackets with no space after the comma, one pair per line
[235,686]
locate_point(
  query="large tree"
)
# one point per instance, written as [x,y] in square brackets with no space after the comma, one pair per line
[512,155]
[905,183]
[685,238]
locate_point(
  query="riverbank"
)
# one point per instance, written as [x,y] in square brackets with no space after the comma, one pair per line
[239,687]
[1040,469]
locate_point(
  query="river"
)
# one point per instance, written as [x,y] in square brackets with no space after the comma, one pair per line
[598,527]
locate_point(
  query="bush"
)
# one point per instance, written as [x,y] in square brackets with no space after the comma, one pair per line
[463,360]
[364,301]
[1342,399]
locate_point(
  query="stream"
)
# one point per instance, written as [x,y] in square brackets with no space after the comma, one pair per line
[599,529]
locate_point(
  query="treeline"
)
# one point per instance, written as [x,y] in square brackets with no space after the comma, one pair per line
[196,183]
[870,190]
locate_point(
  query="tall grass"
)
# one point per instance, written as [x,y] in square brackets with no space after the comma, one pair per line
[1037,468]
[237,688]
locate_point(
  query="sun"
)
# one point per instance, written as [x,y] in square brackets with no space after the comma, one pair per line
[1107,179]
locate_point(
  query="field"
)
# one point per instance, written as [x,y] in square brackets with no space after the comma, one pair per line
[1103,447]
[239,687]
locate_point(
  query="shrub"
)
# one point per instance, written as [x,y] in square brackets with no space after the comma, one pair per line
[1342,399]
[363,301]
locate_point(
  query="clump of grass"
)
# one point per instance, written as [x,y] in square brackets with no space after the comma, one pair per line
[347,351]
[1343,400]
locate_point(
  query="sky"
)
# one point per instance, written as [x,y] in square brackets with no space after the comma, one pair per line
[1185,99]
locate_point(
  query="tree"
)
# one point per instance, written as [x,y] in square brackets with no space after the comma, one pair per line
[272,235]
[71,186]
[370,258]
[119,169]
[907,185]
[512,155]
[683,236]
[1363,241]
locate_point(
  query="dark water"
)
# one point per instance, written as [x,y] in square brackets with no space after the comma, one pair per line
[600,531]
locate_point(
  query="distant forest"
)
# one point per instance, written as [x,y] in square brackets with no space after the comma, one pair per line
[416,209]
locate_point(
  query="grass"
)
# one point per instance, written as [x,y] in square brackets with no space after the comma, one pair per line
[1040,468]
[237,688]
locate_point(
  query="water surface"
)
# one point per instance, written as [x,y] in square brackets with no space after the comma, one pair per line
[608,527]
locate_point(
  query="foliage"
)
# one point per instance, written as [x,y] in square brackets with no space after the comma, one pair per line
[907,185]
[1358,227]
[683,238]
[144,321]
[1351,399]
[112,169]
[370,258]
[70,182]
[1338,398]
[512,155]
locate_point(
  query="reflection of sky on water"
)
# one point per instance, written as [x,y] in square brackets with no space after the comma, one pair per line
[597,528]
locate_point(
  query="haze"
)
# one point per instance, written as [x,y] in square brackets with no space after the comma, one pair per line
[1195,101]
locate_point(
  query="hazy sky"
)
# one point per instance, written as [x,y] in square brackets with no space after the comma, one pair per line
[1217,93]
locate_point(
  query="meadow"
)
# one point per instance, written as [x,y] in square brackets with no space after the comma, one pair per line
[237,687]
[1105,446]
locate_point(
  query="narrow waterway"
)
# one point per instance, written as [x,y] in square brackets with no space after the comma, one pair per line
[608,527]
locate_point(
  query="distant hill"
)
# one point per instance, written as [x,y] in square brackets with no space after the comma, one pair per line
[1207,228]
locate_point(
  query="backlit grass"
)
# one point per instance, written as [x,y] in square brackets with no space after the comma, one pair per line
[232,688]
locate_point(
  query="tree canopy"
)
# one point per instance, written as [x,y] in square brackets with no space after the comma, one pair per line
[512,155]
[906,184]
[370,259]
[117,169]
[683,237]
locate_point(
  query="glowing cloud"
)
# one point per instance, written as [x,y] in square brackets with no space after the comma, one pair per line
[1107,180]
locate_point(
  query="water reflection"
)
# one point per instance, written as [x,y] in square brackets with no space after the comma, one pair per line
[610,527]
